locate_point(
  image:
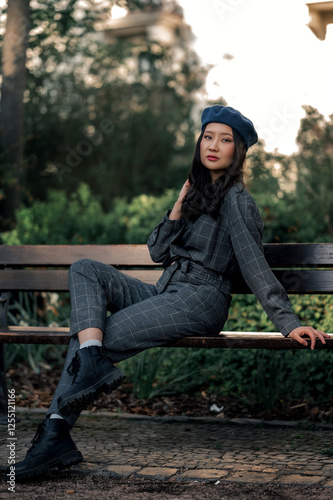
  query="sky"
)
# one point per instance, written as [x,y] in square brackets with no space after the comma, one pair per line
[267,62]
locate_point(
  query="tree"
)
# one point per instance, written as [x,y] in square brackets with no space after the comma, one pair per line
[294,192]
[315,172]
[115,116]
[15,44]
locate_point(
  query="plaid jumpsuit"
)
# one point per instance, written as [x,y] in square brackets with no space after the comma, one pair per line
[193,295]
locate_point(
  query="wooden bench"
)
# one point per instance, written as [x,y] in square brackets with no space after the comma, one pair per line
[301,268]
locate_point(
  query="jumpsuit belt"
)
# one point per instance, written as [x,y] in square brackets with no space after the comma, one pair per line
[188,267]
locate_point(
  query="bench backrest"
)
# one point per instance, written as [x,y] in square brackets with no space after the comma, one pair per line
[301,268]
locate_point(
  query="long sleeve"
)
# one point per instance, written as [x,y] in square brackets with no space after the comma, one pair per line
[159,241]
[246,228]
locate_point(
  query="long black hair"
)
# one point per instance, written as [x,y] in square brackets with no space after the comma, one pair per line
[204,196]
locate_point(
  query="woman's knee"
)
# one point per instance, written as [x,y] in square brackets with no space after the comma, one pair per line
[79,265]
[90,268]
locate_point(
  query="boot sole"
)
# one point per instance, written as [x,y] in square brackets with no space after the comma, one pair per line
[84,398]
[64,462]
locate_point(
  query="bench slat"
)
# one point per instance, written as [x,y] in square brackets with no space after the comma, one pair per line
[294,281]
[299,254]
[65,255]
[50,280]
[278,255]
[235,340]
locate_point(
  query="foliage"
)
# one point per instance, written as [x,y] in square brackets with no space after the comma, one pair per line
[144,368]
[80,219]
[294,192]
[114,114]
[297,204]
[315,170]
[170,5]
[35,309]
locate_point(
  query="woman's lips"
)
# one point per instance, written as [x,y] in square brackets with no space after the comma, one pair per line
[212,158]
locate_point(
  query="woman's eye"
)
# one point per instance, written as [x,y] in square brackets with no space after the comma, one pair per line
[207,137]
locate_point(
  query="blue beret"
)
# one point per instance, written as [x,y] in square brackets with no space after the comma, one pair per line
[233,118]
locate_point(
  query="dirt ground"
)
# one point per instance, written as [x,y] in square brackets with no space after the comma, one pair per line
[36,391]
[96,487]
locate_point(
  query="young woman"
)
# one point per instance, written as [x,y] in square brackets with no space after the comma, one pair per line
[213,230]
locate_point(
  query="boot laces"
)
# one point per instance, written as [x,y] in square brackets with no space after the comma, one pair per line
[39,434]
[74,366]
[106,353]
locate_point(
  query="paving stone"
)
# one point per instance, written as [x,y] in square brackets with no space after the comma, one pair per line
[204,475]
[298,479]
[122,470]
[161,473]
[258,468]
[328,485]
[251,477]
[273,470]
[328,468]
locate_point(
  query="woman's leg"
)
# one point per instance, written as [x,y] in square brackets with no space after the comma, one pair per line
[182,310]
[94,287]
[65,383]
[141,319]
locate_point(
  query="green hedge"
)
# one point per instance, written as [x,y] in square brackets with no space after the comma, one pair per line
[80,219]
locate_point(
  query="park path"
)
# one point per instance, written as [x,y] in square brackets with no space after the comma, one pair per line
[193,449]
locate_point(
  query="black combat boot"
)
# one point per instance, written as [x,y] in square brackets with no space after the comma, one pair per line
[93,374]
[51,447]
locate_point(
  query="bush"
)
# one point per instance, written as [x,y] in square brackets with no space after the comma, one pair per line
[80,219]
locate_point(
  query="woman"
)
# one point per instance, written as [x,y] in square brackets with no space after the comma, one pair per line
[213,230]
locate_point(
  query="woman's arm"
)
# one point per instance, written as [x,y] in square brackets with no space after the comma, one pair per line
[245,232]
[160,239]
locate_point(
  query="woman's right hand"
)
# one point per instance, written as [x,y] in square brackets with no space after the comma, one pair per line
[176,212]
[309,331]
[183,191]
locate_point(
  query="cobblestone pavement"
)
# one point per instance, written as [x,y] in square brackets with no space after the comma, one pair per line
[189,449]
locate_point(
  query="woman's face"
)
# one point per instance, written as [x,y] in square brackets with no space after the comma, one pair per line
[217,148]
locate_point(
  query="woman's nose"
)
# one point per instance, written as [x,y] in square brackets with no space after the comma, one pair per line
[213,146]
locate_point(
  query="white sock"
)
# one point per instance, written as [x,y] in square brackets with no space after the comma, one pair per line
[55,415]
[88,343]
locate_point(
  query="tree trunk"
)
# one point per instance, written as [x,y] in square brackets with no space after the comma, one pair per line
[11,131]
[11,117]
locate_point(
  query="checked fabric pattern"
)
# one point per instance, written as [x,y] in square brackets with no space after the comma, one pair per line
[192,297]
[231,243]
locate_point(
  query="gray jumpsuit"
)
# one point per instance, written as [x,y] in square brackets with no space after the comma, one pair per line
[193,294]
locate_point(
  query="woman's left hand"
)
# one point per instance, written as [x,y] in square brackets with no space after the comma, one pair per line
[312,333]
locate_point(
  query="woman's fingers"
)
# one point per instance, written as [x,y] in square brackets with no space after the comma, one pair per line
[326,335]
[184,190]
[312,333]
